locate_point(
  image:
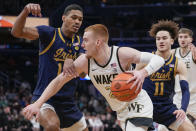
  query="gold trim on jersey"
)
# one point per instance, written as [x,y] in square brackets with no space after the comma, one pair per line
[160,79]
[78,39]
[72,40]
[175,67]
[58,59]
[48,47]
[61,36]
[172,57]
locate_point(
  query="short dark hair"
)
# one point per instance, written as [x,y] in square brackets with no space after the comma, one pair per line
[186,31]
[165,25]
[72,7]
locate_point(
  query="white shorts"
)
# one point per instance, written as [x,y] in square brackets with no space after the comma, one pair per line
[78,126]
[140,109]
[192,104]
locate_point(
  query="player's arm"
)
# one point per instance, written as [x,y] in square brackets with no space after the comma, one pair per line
[54,86]
[182,72]
[68,67]
[152,62]
[19,30]
[130,55]
[193,51]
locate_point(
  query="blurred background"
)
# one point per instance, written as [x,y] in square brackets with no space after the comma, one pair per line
[128,22]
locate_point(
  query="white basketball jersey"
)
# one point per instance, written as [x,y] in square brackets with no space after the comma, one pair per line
[191,72]
[102,77]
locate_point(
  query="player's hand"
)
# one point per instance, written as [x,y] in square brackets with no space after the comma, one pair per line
[193,50]
[69,68]
[180,114]
[35,9]
[138,78]
[30,111]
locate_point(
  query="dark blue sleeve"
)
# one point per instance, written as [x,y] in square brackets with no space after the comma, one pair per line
[81,48]
[46,34]
[185,94]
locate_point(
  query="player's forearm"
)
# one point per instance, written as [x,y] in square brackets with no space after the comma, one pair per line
[154,62]
[185,94]
[19,24]
[54,86]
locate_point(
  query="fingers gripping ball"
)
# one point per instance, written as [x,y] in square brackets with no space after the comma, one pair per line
[121,89]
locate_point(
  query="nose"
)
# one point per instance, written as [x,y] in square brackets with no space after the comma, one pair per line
[77,21]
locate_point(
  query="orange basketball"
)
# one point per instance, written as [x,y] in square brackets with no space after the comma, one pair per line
[121,90]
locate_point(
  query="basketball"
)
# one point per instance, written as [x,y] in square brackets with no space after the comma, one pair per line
[121,90]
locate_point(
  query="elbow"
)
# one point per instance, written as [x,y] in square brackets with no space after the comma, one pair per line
[15,33]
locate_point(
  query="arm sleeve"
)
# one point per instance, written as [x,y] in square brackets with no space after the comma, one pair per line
[185,94]
[154,62]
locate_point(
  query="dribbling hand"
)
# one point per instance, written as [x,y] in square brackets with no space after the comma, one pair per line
[138,78]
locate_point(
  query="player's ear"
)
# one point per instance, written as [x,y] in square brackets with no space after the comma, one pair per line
[172,41]
[191,39]
[98,43]
[63,18]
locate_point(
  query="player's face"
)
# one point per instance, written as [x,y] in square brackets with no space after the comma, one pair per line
[89,43]
[163,41]
[73,20]
[184,39]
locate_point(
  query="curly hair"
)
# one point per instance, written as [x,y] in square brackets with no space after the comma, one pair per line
[165,25]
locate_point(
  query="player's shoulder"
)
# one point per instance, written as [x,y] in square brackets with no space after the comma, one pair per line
[45,28]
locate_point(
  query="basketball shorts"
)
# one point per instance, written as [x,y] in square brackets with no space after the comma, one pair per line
[138,112]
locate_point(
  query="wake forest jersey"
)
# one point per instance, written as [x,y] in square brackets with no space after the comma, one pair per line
[191,71]
[54,48]
[160,85]
[102,77]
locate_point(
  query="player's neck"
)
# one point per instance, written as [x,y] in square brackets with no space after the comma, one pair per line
[164,54]
[67,33]
[103,55]
[184,50]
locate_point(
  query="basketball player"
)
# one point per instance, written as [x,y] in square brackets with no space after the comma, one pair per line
[160,85]
[184,53]
[103,63]
[56,45]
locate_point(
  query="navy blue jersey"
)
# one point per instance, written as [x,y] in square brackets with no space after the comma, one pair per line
[54,48]
[160,88]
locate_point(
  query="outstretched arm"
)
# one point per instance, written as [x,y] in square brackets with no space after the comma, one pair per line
[81,65]
[19,30]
